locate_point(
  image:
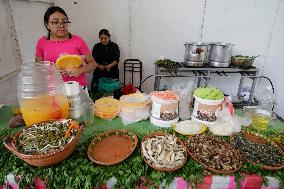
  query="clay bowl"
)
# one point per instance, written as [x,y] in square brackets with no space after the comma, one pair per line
[112,147]
[46,159]
[224,172]
[280,145]
[261,140]
[158,168]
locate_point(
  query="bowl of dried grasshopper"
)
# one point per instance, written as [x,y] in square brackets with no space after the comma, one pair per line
[216,155]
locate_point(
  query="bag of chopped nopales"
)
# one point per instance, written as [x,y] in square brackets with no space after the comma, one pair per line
[134,107]
[226,123]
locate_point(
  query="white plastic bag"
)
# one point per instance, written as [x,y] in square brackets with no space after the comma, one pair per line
[184,91]
[134,107]
[226,123]
[134,115]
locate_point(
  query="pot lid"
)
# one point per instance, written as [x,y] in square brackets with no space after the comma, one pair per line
[197,43]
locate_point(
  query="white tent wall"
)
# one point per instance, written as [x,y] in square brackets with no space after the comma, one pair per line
[274,63]
[149,29]
[28,23]
[28,17]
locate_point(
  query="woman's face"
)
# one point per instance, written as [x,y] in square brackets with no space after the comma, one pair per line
[58,25]
[104,39]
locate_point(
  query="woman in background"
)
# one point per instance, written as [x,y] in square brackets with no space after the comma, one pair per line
[60,41]
[106,54]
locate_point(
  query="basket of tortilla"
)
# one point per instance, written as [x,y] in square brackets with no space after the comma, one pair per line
[45,144]
[189,127]
[259,150]
[216,155]
[68,61]
[112,147]
[163,152]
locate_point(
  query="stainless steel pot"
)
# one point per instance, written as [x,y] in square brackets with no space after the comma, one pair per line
[196,54]
[220,54]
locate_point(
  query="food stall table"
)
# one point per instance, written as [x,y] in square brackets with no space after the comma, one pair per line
[141,128]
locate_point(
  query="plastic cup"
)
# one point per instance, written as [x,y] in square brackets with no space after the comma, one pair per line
[88,113]
[11,100]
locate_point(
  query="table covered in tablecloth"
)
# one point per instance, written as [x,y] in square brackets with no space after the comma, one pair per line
[142,127]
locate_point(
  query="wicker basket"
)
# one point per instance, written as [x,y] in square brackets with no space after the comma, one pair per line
[280,145]
[163,169]
[260,140]
[242,61]
[42,160]
[211,168]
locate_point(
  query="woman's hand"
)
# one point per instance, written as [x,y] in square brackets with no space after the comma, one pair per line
[101,67]
[108,67]
[75,72]
[63,72]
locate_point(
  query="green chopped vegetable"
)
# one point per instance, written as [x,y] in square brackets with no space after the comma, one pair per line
[166,63]
[45,137]
[209,93]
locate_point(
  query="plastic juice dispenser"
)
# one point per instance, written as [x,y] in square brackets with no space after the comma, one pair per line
[263,114]
[41,93]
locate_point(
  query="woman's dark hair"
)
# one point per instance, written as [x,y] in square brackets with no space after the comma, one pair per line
[104,32]
[49,12]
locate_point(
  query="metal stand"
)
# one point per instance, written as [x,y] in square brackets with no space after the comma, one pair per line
[206,73]
[133,66]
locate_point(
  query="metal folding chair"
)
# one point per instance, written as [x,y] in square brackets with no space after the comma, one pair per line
[133,66]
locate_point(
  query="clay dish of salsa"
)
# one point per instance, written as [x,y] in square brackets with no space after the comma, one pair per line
[112,147]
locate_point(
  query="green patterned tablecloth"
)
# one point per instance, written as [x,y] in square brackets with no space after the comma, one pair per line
[72,174]
[101,125]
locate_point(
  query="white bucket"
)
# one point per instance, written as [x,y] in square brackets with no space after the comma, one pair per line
[205,110]
[164,113]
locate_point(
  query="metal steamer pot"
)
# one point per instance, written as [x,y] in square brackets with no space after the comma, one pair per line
[220,54]
[196,54]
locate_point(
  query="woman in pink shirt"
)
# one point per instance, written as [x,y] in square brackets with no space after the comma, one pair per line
[59,41]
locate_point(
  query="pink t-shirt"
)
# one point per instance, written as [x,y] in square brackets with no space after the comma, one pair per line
[50,50]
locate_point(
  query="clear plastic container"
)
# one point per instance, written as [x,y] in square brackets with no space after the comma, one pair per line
[87,109]
[261,119]
[41,93]
[266,99]
[88,113]
[263,113]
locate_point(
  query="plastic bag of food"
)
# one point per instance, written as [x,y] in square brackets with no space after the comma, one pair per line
[134,107]
[184,91]
[134,115]
[226,124]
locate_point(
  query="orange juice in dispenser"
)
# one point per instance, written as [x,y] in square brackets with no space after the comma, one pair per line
[41,93]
